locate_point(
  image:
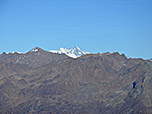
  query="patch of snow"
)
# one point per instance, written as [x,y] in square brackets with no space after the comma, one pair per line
[62,50]
[74,53]
[54,51]
[13,53]
[124,64]
[34,50]
[17,60]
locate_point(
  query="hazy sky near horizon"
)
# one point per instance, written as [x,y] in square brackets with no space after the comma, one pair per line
[93,25]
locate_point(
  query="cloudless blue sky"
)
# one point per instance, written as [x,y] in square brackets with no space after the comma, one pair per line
[93,25]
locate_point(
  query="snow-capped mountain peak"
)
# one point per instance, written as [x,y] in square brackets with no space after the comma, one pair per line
[62,50]
[74,52]
[36,49]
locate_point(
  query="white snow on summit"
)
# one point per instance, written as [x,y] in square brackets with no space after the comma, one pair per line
[74,53]
[35,49]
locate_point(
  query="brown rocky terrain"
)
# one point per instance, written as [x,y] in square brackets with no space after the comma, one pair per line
[34,58]
[45,83]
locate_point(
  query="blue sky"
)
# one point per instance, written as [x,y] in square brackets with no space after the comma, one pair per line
[93,25]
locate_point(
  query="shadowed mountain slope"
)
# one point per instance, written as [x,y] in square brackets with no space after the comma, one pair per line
[107,83]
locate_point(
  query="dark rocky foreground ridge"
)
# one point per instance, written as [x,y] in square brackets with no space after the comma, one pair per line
[43,83]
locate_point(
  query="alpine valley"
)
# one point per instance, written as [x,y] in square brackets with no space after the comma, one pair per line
[74,82]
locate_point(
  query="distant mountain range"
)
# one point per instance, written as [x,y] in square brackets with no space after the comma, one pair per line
[74,52]
[44,82]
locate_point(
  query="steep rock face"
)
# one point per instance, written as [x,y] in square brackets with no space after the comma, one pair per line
[95,83]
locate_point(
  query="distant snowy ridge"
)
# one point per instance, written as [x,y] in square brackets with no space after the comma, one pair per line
[74,53]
